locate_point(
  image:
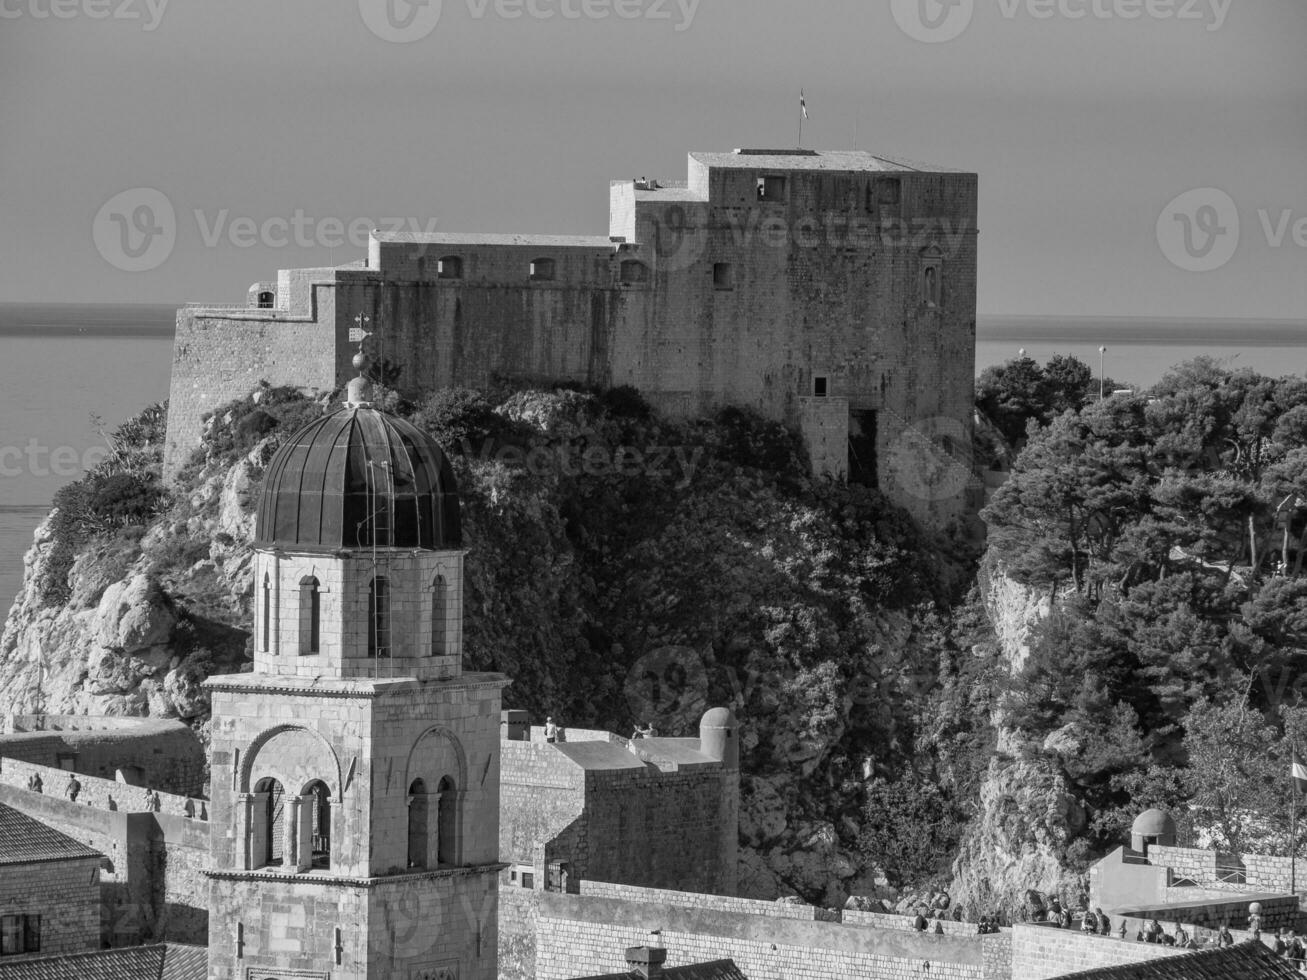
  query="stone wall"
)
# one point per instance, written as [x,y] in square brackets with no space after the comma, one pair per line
[1039,952]
[584,934]
[714,903]
[103,794]
[660,829]
[219,356]
[1277,912]
[639,825]
[66,896]
[162,755]
[884,920]
[1218,871]
[151,883]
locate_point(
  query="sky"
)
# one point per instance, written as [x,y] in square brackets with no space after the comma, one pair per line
[1136,157]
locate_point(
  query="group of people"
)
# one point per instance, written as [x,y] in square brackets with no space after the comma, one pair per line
[1093,923]
[1290,947]
[1154,933]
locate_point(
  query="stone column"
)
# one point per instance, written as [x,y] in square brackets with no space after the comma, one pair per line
[244,831]
[258,842]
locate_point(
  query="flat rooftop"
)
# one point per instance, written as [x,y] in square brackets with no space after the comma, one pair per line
[835,161]
[457,238]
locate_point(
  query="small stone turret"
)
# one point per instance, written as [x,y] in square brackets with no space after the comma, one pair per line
[719,737]
[1152,827]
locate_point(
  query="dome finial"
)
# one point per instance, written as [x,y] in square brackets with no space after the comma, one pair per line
[358,393]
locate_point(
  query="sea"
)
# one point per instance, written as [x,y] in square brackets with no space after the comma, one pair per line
[70,374]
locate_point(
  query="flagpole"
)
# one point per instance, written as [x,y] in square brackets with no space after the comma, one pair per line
[801,108]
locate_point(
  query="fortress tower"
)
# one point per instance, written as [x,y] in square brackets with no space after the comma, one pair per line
[831,290]
[355,772]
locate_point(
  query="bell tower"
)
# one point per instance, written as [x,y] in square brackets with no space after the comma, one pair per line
[355,815]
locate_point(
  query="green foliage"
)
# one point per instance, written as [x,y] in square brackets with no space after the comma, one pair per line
[1019,392]
[909,830]
[123,491]
[744,438]
[1172,526]
[460,419]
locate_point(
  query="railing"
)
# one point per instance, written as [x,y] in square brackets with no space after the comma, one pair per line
[1232,875]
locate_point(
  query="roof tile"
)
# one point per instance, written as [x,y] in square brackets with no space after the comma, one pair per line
[24,840]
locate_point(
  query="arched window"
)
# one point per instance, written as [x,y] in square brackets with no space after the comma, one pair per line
[267,612]
[446,823]
[310,616]
[318,798]
[268,825]
[379,618]
[542,270]
[930,285]
[419,808]
[439,617]
[932,275]
[265,299]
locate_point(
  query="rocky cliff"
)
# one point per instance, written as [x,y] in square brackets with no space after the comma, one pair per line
[1026,815]
[712,571]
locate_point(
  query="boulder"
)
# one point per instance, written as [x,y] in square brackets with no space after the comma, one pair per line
[134,615]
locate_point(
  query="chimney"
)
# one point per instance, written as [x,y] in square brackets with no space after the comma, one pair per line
[646,961]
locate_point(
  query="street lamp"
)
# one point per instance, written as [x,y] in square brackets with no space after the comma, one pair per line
[1102,351]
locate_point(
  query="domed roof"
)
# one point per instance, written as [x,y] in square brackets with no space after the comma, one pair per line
[717,718]
[1153,823]
[359,478]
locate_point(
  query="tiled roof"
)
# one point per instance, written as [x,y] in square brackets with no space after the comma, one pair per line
[847,161]
[717,970]
[163,961]
[1247,961]
[24,840]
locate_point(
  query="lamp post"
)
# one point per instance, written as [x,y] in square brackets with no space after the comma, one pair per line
[1102,352]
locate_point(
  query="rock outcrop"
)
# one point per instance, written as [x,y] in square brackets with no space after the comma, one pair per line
[1026,814]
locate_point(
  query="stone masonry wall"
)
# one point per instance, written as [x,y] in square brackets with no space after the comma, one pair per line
[583,935]
[659,829]
[163,755]
[151,884]
[65,894]
[104,794]
[1039,952]
[713,903]
[1261,872]
[884,920]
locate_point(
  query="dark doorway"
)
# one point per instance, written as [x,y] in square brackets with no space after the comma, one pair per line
[862,448]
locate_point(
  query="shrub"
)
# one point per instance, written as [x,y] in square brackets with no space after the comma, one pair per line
[459,419]
[748,439]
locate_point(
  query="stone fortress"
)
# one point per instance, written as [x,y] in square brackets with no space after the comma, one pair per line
[834,291]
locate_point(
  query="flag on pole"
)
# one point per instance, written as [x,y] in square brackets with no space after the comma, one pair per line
[1299,773]
[803,104]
